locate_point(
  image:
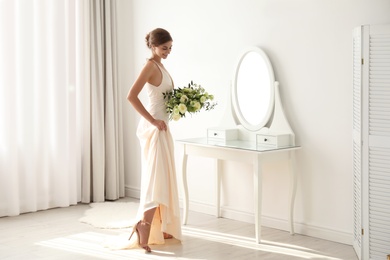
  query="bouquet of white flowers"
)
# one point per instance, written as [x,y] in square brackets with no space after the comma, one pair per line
[189,99]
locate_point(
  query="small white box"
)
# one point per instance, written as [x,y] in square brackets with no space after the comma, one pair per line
[222,134]
[274,140]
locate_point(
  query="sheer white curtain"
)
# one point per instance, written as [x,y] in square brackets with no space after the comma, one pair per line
[47,117]
[38,131]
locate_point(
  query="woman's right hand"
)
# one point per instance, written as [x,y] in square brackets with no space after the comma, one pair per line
[159,124]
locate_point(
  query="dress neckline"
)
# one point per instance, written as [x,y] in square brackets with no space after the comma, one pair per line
[158,63]
[163,68]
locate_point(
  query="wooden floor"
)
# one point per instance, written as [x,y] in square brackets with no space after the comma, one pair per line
[57,234]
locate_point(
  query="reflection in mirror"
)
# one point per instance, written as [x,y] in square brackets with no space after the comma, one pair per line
[253,90]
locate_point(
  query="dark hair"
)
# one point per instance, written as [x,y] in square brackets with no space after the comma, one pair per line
[157,37]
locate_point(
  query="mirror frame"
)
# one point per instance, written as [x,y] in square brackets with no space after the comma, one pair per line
[237,111]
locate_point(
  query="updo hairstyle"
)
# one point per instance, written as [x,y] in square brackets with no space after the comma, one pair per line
[157,37]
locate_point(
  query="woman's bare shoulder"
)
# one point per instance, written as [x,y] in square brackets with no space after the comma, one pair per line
[149,67]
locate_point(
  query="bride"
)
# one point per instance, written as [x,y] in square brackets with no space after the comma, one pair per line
[158,214]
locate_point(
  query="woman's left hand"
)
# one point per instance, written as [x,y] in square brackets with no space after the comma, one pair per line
[160,124]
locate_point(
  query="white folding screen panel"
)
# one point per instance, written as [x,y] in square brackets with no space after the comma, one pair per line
[357,140]
[371,159]
[378,121]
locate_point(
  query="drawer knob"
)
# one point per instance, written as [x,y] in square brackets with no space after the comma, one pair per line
[265,139]
[215,134]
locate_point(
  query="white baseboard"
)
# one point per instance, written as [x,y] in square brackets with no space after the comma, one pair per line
[267,221]
[324,233]
[272,222]
[133,192]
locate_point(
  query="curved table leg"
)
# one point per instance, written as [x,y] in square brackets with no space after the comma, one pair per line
[257,181]
[185,186]
[218,188]
[293,189]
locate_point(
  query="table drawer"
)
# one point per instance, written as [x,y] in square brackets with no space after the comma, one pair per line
[222,134]
[276,140]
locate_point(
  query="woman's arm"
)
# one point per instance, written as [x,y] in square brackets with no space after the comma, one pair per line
[132,96]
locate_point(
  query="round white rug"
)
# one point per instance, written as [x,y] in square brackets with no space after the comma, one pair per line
[111,214]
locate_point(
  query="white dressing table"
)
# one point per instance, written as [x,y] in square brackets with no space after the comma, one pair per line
[254,130]
[242,151]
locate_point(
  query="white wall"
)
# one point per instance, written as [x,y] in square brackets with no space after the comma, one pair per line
[309,44]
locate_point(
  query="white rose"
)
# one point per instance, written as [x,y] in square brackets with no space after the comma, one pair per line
[176,110]
[182,108]
[183,99]
[197,106]
[176,117]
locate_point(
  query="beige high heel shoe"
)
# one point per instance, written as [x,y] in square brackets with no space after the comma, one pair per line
[143,230]
[167,236]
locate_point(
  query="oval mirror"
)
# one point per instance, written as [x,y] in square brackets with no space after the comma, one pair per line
[253,89]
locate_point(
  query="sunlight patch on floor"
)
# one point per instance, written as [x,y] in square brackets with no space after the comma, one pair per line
[265,246]
[92,244]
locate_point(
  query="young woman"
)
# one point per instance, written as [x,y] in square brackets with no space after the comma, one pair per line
[159,206]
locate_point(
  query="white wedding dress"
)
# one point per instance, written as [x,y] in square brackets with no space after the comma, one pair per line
[158,180]
[159,185]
